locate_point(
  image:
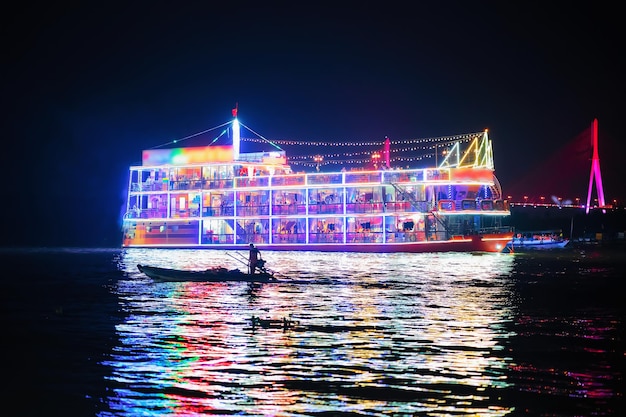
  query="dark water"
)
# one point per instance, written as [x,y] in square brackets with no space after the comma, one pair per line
[537,333]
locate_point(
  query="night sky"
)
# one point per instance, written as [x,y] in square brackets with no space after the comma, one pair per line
[86,88]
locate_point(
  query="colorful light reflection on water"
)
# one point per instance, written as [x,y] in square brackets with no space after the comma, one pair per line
[388,334]
[399,333]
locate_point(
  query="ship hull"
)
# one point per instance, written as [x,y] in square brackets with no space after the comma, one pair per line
[486,243]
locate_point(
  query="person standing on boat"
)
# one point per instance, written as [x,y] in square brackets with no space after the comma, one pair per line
[253,259]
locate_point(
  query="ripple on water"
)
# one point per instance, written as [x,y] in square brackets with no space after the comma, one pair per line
[361,333]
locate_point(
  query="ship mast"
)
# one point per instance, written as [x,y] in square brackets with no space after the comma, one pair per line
[236,133]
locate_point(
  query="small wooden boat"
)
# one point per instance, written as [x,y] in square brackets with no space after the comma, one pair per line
[217,274]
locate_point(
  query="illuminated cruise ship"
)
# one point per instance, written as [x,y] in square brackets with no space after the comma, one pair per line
[216,197]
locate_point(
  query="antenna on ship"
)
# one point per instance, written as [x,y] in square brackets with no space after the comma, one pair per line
[236,133]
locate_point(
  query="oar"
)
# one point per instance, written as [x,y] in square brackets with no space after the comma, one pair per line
[243,257]
[237,259]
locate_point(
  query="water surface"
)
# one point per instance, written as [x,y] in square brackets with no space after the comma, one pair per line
[362,334]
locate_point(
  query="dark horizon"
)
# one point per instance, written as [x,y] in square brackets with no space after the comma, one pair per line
[87,87]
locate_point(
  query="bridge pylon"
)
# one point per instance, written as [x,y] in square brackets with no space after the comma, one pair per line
[595,169]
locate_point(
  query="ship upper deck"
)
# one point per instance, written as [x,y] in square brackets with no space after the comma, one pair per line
[191,177]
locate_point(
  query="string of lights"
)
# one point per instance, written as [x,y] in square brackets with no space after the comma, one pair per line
[419,148]
[414,150]
[176,141]
[442,140]
[310,163]
[369,153]
[349,157]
